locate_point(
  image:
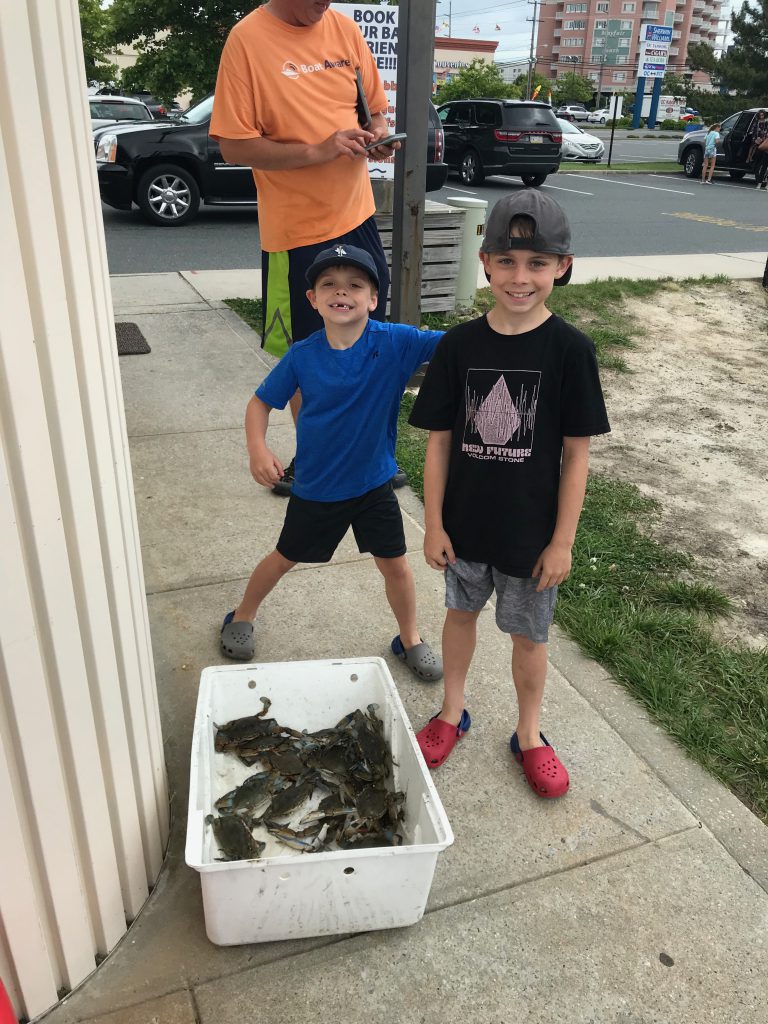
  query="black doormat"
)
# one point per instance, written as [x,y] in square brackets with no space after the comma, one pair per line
[130,340]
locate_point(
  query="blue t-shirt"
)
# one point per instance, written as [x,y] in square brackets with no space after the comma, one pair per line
[710,143]
[347,427]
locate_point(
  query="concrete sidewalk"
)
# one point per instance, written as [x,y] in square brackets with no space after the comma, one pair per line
[138,291]
[640,897]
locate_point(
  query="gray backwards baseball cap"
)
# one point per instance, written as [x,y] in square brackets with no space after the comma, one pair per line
[342,255]
[552,232]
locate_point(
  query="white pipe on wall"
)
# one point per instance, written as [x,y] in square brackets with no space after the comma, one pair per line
[83,795]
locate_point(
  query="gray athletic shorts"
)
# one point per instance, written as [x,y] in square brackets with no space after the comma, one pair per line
[519,609]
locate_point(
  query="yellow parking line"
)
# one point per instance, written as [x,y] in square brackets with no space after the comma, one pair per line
[721,222]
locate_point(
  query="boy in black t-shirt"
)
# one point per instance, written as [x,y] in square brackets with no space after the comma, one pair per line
[510,400]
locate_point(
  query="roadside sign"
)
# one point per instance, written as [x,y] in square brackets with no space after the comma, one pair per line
[655,41]
[379,25]
[656,34]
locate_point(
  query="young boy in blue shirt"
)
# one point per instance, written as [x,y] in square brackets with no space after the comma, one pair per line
[510,401]
[352,375]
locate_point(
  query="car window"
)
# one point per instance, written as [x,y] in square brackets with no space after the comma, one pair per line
[120,111]
[200,113]
[529,117]
[568,128]
[462,114]
[729,122]
[744,121]
[488,115]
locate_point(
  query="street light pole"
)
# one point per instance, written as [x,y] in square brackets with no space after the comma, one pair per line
[533,41]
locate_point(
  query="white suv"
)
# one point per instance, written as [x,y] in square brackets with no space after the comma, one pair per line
[573,112]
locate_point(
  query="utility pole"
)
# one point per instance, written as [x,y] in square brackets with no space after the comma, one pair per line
[533,43]
[415,65]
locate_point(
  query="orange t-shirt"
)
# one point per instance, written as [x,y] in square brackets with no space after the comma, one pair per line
[297,84]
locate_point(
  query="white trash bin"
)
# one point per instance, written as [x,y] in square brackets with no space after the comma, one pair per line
[474,229]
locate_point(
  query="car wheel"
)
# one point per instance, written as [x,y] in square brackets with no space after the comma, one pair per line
[737,175]
[602,120]
[471,169]
[692,161]
[168,195]
[533,180]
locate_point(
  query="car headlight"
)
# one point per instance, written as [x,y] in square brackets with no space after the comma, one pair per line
[106,149]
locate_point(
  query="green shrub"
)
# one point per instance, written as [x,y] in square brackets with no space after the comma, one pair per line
[669,124]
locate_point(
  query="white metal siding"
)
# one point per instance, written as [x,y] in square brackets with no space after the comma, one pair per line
[83,796]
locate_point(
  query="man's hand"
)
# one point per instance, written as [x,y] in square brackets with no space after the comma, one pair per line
[266,468]
[438,550]
[382,152]
[349,142]
[553,565]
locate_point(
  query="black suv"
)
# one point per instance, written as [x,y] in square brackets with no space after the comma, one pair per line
[501,137]
[168,168]
[732,148]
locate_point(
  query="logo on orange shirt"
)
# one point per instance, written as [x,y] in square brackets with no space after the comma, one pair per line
[291,70]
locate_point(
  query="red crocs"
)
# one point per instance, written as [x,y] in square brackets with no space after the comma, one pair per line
[438,738]
[545,772]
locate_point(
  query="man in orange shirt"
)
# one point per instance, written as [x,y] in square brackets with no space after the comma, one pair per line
[286,105]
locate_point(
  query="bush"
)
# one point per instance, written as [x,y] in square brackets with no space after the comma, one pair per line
[624,122]
[669,124]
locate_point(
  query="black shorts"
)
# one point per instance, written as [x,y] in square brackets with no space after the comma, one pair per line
[314,529]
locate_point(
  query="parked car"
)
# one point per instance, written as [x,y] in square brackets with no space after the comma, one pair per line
[157,108]
[110,109]
[732,148]
[577,145]
[599,116]
[573,112]
[501,137]
[168,168]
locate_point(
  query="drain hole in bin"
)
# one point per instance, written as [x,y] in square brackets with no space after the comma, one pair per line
[251,684]
[354,677]
[349,871]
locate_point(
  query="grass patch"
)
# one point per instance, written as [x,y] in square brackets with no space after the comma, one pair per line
[249,310]
[660,167]
[636,606]
[598,309]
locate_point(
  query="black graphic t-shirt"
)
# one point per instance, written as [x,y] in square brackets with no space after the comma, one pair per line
[509,400]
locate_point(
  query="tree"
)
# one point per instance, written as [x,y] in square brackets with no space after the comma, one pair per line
[674,85]
[544,84]
[573,88]
[743,67]
[97,45]
[178,43]
[476,81]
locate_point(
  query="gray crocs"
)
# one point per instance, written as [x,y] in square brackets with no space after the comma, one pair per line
[237,639]
[420,659]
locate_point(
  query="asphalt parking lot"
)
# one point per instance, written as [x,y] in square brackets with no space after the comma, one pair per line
[611,215]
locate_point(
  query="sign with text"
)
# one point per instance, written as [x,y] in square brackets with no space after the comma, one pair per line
[379,28]
[655,41]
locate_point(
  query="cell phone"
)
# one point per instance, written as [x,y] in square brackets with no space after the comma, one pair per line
[387,141]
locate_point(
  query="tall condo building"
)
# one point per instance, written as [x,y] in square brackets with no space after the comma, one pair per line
[600,38]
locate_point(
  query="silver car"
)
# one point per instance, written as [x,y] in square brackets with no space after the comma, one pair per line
[110,109]
[578,145]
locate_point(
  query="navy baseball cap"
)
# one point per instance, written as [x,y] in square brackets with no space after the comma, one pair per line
[342,255]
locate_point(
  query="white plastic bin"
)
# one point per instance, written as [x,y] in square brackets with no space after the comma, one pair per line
[287,894]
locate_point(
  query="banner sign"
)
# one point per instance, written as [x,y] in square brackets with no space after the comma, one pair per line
[379,27]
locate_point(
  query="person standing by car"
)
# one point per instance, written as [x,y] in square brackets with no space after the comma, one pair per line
[758,136]
[710,153]
[286,104]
